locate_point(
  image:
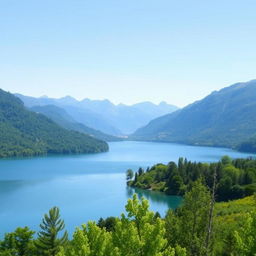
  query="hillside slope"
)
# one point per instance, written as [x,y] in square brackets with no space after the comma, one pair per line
[24,133]
[103,115]
[74,109]
[224,118]
[62,118]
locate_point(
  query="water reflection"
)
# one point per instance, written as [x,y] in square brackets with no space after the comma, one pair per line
[171,202]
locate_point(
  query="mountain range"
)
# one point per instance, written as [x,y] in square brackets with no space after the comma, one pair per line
[62,118]
[223,118]
[102,115]
[26,133]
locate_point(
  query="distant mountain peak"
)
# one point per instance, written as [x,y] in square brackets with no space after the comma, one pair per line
[68,98]
[87,100]
[163,103]
[105,116]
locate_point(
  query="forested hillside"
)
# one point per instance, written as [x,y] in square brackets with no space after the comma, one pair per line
[224,118]
[234,178]
[25,133]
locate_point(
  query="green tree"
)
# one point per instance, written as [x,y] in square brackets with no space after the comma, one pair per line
[135,178]
[187,226]
[129,174]
[226,160]
[19,242]
[90,240]
[224,188]
[232,172]
[245,238]
[108,223]
[48,241]
[175,185]
[140,233]
[140,171]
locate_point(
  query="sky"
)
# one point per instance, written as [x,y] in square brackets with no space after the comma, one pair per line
[126,51]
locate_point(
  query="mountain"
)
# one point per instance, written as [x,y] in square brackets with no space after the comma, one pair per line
[128,118]
[62,118]
[24,133]
[103,115]
[224,118]
[73,108]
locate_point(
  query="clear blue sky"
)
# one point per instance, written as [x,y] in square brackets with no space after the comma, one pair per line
[126,51]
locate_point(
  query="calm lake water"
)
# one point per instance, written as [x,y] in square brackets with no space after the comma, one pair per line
[86,187]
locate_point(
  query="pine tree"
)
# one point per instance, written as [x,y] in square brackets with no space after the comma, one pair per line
[129,174]
[48,241]
[136,178]
[140,171]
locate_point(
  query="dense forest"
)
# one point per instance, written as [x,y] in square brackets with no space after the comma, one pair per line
[25,133]
[234,178]
[199,227]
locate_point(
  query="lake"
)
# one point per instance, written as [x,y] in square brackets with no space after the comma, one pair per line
[87,187]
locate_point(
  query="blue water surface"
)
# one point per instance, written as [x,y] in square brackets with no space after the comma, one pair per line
[87,187]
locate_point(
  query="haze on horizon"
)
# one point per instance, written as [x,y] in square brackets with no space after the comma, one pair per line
[126,52]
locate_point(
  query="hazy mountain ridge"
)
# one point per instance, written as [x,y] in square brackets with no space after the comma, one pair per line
[103,115]
[24,133]
[71,106]
[223,118]
[62,118]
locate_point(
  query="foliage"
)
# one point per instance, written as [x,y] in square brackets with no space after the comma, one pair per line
[229,217]
[245,238]
[90,240]
[109,223]
[18,243]
[25,133]
[235,178]
[129,174]
[48,241]
[139,233]
[187,226]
